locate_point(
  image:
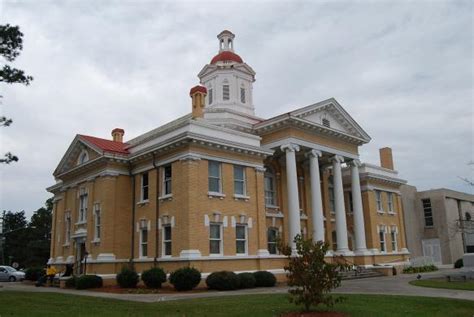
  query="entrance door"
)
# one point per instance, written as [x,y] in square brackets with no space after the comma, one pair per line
[81,250]
[432,249]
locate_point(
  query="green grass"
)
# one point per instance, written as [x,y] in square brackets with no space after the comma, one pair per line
[442,283]
[53,304]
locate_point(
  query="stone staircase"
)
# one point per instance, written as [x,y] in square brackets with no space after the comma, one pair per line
[359,272]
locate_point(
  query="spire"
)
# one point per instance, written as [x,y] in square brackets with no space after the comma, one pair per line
[226,41]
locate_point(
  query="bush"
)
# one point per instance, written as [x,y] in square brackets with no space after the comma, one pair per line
[127,278]
[34,273]
[71,282]
[223,281]
[185,278]
[88,281]
[246,280]
[420,269]
[154,277]
[264,279]
[458,264]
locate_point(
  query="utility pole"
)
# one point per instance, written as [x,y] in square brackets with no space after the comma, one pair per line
[2,237]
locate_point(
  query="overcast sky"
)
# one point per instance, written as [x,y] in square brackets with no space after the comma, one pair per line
[404,71]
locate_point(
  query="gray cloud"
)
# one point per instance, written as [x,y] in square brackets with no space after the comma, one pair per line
[402,70]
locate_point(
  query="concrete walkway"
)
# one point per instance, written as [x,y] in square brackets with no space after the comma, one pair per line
[393,285]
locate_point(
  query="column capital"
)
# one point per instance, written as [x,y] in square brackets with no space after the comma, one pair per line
[337,158]
[290,147]
[355,162]
[314,153]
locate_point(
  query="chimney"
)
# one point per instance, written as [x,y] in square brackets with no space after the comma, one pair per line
[117,135]
[198,93]
[386,159]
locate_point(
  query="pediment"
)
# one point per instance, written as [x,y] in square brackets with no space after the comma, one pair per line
[75,154]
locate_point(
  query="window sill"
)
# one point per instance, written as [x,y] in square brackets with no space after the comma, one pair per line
[216,194]
[241,197]
[95,241]
[166,256]
[216,254]
[241,254]
[66,244]
[381,212]
[272,207]
[392,213]
[80,223]
[166,197]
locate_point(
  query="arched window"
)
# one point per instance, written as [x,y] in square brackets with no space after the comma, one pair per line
[270,187]
[83,157]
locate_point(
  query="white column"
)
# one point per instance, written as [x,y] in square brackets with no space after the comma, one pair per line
[359,227]
[316,200]
[341,223]
[292,191]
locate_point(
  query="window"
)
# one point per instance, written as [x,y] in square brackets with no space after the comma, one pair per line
[97,221]
[383,247]
[225,92]
[332,205]
[167,180]
[351,203]
[393,237]
[167,240]
[68,227]
[390,202]
[214,176]
[326,123]
[209,93]
[83,157]
[428,212]
[215,238]
[144,186]
[239,180]
[378,199]
[241,239]
[270,188]
[272,235]
[334,240]
[82,205]
[144,242]
[242,95]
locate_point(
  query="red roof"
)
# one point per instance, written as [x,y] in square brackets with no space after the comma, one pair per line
[106,145]
[226,56]
[198,88]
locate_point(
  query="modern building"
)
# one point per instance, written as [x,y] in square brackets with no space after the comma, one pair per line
[216,187]
[437,223]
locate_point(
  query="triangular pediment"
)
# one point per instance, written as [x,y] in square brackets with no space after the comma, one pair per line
[331,114]
[79,152]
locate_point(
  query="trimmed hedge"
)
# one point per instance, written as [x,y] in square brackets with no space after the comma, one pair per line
[420,269]
[88,281]
[71,282]
[223,281]
[127,278]
[246,280]
[185,278]
[34,273]
[154,277]
[264,279]
[458,264]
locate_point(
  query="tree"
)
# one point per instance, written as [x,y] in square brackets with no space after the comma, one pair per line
[14,236]
[11,43]
[310,277]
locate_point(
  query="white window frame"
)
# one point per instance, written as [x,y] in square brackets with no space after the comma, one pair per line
[220,239]
[143,244]
[219,177]
[394,238]
[83,157]
[245,239]
[378,201]
[167,180]
[165,241]
[97,222]
[83,202]
[67,233]
[391,210]
[277,233]
[243,94]
[427,209]
[243,181]
[144,188]
[383,242]
[270,194]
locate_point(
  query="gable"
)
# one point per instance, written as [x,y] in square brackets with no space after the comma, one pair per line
[72,156]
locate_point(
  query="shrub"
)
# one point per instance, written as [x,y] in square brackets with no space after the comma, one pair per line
[420,269]
[127,278]
[246,280]
[185,278]
[34,273]
[223,281]
[154,277]
[264,279]
[458,264]
[88,281]
[71,282]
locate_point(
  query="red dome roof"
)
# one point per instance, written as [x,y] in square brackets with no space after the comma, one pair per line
[226,56]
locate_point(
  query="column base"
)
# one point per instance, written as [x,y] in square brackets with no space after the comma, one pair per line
[405,251]
[344,253]
[263,252]
[362,252]
[329,253]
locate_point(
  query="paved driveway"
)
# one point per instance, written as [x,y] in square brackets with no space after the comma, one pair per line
[393,285]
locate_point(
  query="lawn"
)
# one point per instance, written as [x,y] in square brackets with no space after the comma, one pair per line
[52,304]
[442,283]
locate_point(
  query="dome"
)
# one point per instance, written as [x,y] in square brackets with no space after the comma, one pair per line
[226,56]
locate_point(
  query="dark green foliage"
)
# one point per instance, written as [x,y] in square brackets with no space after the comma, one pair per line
[71,282]
[127,278]
[185,278]
[88,281]
[223,281]
[154,277]
[310,277]
[34,273]
[246,280]
[420,269]
[264,279]
[458,264]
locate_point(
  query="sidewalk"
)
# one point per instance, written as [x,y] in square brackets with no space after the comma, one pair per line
[392,285]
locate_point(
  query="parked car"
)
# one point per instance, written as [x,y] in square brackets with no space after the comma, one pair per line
[7,273]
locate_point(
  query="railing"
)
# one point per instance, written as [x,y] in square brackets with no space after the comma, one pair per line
[340,259]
